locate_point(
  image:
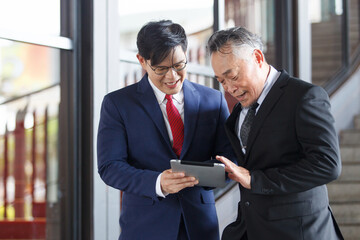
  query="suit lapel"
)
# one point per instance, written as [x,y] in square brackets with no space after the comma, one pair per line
[191,110]
[266,107]
[232,135]
[151,106]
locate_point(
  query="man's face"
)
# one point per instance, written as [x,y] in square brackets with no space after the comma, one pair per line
[239,77]
[171,82]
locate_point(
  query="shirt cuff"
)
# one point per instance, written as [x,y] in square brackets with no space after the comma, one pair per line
[158,188]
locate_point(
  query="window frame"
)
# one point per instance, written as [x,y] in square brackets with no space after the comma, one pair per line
[75,115]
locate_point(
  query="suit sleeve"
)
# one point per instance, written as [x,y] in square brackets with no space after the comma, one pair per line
[113,165]
[319,161]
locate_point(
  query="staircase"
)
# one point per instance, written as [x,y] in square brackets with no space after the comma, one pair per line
[326,49]
[327,43]
[354,25]
[344,193]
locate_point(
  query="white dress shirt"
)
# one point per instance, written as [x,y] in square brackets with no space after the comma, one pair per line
[271,79]
[179,104]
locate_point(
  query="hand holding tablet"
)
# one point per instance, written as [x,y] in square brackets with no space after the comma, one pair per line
[208,174]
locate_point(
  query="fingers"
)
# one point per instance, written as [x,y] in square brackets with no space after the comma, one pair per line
[174,187]
[173,175]
[236,173]
[173,182]
[225,161]
[230,167]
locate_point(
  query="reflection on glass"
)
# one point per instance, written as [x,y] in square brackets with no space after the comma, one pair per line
[258,17]
[29,142]
[354,25]
[36,16]
[325,16]
[25,68]
[195,16]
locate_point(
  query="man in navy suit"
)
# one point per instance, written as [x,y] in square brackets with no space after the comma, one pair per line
[137,139]
[287,152]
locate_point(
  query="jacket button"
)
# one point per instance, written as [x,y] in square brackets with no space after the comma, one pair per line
[247,204]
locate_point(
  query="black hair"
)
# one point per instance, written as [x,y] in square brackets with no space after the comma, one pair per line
[156,40]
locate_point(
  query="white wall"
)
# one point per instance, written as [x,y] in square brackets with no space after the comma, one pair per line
[227,208]
[345,103]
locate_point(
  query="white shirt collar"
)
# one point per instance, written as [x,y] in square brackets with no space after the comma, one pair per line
[160,96]
[273,76]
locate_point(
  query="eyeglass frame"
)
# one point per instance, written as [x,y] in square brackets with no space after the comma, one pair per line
[176,70]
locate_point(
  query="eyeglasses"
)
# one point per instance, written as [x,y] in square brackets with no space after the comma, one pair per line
[162,70]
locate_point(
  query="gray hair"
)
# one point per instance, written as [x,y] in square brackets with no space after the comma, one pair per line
[238,37]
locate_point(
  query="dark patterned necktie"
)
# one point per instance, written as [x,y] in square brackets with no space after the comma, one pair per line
[176,125]
[246,126]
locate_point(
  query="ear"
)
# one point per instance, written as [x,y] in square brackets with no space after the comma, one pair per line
[259,57]
[142,61]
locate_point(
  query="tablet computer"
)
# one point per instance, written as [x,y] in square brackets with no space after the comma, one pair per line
[208,174]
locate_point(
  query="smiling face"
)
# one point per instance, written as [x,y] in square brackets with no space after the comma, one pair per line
[171,82]
[244,77]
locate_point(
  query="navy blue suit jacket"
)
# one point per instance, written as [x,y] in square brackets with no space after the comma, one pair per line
[134,148]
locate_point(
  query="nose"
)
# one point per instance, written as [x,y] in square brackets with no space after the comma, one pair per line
[230,88]
[171,73]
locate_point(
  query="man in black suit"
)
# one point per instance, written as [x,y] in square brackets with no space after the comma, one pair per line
[283,134]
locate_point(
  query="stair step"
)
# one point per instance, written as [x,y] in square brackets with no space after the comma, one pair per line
[354,30]
[350,232]
[319,73]
[324,50]
[328,24]
[326,27]
[322,71]
[346,213]
[319,81]
[333,35]
[350,173]
[357,122]
[344,192]
[321,47]
[326,38]
[329,63]
[322,75]
[351,136]
[329,57]
[325,56]
[350,154]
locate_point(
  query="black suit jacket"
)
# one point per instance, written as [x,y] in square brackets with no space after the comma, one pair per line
[292,153]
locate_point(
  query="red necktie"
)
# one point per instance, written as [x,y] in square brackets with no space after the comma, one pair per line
[176,125]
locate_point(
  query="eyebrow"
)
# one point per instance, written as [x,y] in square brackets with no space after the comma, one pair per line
[225,73]
[171,65]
